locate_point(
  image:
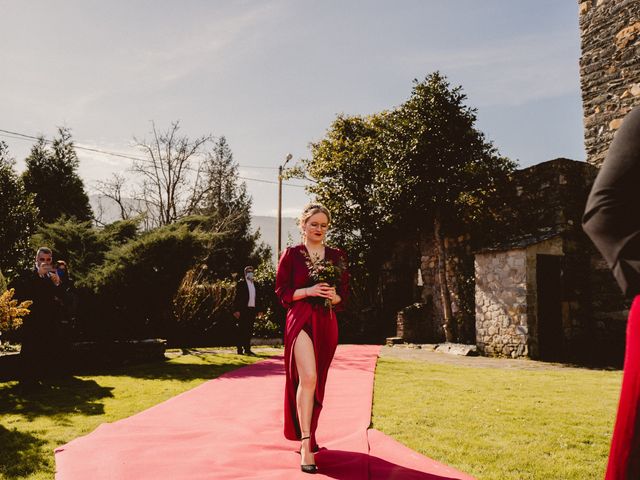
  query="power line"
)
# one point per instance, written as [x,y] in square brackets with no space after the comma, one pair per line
[271,181]
[24,136]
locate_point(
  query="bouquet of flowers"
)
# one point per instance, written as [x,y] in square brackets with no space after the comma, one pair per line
[324,271]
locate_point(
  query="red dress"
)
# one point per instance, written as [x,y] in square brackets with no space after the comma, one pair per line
[317,320]
[624,456]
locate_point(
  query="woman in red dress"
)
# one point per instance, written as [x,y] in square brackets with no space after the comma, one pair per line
[311,332]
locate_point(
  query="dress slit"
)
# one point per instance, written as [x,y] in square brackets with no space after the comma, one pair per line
[295,377]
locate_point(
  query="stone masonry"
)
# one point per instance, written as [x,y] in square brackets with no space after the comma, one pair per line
[501,290]
[609,69]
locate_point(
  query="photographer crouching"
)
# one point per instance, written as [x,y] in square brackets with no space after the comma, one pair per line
[42,355]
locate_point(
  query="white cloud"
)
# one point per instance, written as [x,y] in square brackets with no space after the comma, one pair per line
[165,65]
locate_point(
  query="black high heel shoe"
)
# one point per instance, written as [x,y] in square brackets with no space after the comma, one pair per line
[311,468]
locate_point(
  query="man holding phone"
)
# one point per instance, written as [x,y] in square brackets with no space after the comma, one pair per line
[39,331]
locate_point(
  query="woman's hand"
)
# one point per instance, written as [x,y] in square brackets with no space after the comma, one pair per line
[335,298]
[321,289]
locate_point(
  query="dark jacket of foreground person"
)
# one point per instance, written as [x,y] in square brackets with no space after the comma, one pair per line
[612,220]
[612,215]
[40,331]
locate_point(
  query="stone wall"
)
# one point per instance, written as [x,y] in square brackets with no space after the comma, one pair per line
[500,297]
[609,69]
[459,280]
[549,196]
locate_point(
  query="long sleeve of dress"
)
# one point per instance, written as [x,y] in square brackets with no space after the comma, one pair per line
[284,279]
[612,215]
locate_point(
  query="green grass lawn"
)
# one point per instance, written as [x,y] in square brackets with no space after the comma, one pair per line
[500,424]
[492,423]
[33,425]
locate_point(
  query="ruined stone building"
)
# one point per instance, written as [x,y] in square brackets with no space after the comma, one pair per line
[549,294]
[542,290]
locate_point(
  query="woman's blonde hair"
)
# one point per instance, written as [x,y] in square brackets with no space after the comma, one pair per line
[309,211]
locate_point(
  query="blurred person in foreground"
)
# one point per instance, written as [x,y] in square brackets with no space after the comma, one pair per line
[612,220]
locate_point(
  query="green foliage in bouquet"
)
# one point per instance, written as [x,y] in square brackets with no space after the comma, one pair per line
[324,271]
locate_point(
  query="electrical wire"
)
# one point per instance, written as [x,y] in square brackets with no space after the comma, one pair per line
[24,136]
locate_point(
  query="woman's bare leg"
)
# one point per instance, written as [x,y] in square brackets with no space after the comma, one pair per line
[306,365]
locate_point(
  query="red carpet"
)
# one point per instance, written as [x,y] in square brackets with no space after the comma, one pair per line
[231,428]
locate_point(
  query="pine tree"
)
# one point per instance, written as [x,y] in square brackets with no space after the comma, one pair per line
[19,216]
[52,175]
[226,196]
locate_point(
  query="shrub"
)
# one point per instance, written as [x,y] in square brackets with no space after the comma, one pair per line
[199,302]
[83,246]
[12,312]
[267,325]
[135,285]
[270,323]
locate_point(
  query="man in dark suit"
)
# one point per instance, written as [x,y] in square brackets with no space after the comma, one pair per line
[41,355]
[244,310]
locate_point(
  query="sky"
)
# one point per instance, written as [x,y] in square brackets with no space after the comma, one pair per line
[272,75]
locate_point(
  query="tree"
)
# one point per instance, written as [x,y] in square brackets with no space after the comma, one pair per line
[346,170]
[172,175]
[450,173]
[113,189]
[228,206]
[223,194]
[19,216]
[52,175]
[421,169]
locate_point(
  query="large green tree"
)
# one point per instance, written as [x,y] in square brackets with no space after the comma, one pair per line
[19,216]
[346,170]
[52,176]
[450,174]
[421,169]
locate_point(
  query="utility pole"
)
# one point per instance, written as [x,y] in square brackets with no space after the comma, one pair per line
[280,170]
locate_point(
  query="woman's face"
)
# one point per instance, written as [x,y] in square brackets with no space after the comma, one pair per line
[315,228]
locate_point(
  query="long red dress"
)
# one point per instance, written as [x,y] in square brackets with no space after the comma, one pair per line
[317,320]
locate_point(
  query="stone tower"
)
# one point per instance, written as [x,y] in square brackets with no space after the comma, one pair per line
[609,69]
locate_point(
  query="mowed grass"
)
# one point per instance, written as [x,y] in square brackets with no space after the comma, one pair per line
[500,424]
[32,425]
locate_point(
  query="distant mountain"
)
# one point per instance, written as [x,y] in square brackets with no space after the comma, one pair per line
[107,211]
[269,231]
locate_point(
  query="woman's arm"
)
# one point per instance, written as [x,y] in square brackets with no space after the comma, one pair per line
[318,290]
[612,217]
[284,276]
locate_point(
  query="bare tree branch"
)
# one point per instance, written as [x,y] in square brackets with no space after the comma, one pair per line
[172,173]
[113,190]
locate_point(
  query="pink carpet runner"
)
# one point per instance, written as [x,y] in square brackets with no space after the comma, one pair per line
[231,428]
